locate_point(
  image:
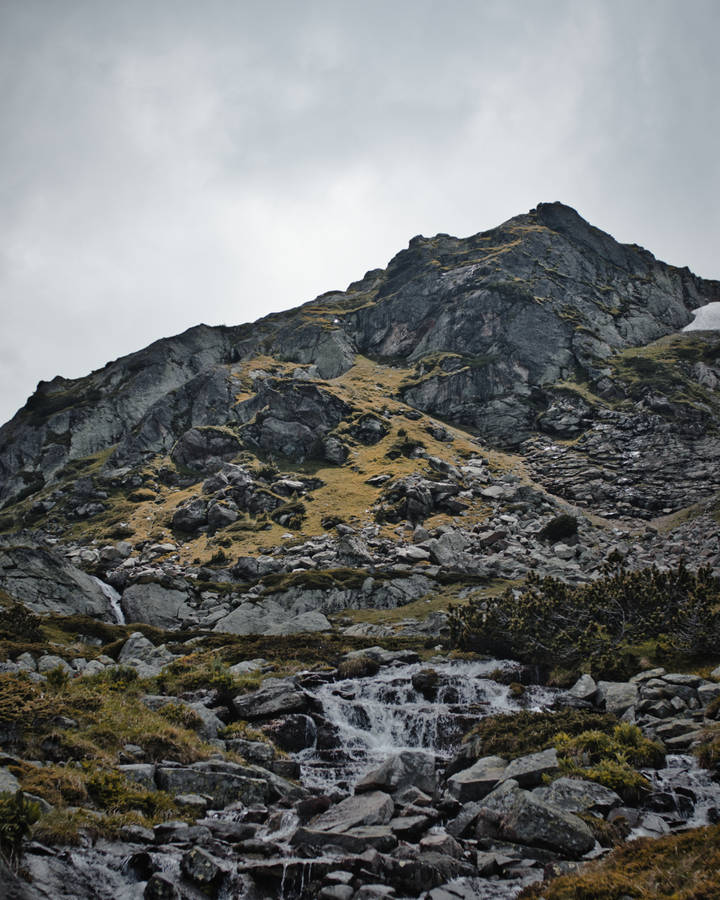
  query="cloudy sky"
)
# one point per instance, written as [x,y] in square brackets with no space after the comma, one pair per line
[164,163]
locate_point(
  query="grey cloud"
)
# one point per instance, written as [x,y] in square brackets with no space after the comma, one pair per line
[167,163]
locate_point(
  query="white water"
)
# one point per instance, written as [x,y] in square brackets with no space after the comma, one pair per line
[381,715]
[687,784]
[113,597]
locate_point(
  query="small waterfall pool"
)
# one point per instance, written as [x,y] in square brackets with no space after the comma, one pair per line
[375,717]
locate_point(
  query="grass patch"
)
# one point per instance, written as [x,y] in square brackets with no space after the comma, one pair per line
[511,735]
[675,867]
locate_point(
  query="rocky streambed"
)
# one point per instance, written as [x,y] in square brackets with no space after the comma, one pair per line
[376,798]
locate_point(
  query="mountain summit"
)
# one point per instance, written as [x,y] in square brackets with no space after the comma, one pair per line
[483,328]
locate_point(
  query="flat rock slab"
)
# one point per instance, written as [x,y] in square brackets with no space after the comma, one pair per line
[373,808]
[271,701]
[529,770]
[479,780]
[354,840]
[222,787]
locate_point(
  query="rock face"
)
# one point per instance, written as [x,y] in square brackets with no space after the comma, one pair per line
[45,582]
[487,321]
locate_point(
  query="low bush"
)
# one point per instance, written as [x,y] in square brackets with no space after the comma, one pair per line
[358,667]
[560,528]
[593,626]
[611,759]
[517,734]
[18,623]
[17,815]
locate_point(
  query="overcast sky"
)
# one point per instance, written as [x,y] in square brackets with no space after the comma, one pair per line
[164,163]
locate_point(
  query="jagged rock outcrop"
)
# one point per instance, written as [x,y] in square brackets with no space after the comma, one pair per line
[487,321]
[46,583]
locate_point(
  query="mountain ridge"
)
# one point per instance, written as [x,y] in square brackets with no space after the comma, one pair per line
[487,303]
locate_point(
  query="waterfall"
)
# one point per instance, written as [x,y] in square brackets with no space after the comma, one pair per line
[378,716]
[113,598]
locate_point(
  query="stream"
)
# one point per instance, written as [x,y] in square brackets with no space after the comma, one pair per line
[377,717]
[357,724]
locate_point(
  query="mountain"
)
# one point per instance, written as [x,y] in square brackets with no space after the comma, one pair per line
[538,362]
[487,445]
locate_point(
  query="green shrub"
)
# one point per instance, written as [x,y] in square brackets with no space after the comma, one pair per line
[559,528]
[358,667]
[626,744]
[112,792]
[57,679]
[611,759]
[593,625]
[17,815]
[18,623]
[182,715]
[517,734]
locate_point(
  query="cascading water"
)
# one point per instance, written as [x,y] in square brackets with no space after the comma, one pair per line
[113,597]
[684,794]
[373,718]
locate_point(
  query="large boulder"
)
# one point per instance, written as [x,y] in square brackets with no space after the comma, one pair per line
[578,795]
[156,605]
[479,780]
[47,583]
[534,822]
[617,696]
[277,697]
[410,768]
[191,515]
[372,808]
[205,448]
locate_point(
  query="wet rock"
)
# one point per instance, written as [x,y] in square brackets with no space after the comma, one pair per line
[202,869]
[160,887]
[410,768]
[410,828]
[425,682]
[337,892]
[354,840]
[442,843]
[372,808]
[292,733]
[229,831]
